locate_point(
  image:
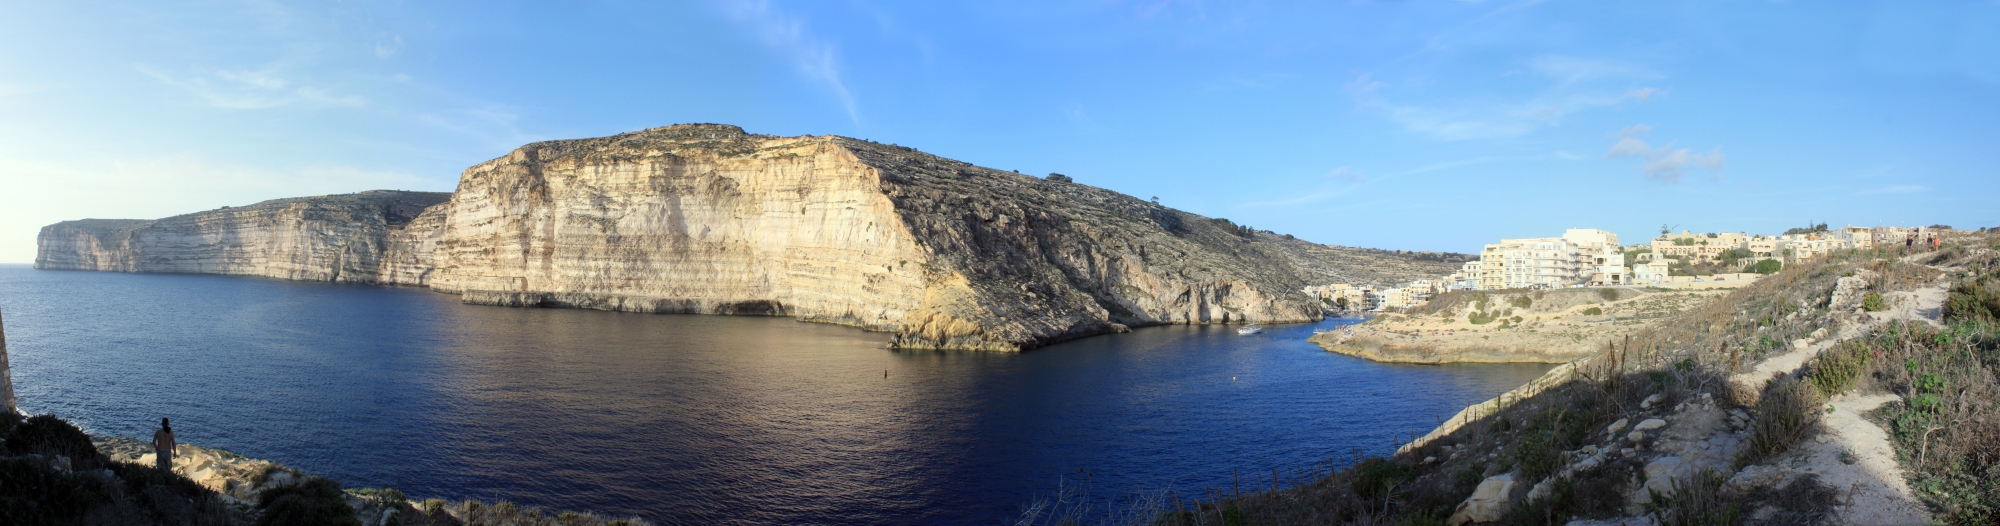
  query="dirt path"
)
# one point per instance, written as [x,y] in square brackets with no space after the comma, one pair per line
[1872,487]
[1852,454]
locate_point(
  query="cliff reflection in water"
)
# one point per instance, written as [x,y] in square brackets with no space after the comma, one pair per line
[697,419]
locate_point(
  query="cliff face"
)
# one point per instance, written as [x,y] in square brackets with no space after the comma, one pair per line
[709,219]
[330,238]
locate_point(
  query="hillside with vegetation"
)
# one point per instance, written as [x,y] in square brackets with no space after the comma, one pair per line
[1859,388]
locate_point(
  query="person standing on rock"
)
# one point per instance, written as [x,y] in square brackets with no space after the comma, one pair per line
[163,446]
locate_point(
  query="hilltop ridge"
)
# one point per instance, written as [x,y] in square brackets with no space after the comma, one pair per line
[707,218]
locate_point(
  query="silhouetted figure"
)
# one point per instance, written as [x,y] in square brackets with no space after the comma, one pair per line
[163,446]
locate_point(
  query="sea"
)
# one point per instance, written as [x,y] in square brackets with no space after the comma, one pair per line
[691,419]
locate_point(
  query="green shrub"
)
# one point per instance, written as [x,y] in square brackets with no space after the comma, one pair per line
[1468,477]
[315,502]
[1873,302]
[31,492]
[1535,455]
[48,435]
[1593,311]
[1788,411]
[1699,502]
[1835,370]
[1376,477]
[1480,318]
[1521,302]
[1973,300]
[1768,266]
[1608,294]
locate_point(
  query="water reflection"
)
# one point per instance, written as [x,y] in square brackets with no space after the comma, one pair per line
[692,419]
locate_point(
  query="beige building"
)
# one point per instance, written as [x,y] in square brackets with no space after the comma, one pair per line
[1857,236]
[1697,247]
[1467,277]
[1358,298]
[1653,273]
[1580,256]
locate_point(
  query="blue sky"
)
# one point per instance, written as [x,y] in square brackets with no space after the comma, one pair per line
[1409,125]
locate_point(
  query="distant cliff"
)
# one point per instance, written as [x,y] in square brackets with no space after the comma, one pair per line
[330,238]
[709,219]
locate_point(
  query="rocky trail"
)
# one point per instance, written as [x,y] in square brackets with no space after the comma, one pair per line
[1844,471]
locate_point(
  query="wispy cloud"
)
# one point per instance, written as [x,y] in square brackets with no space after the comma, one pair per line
[1346,174]
[1347,180]
[1664,164]
[1570,70]
[389,48]
[253,89]
[493,124]
[1574,86]
[1074,112]
[1896,189]
[786,33]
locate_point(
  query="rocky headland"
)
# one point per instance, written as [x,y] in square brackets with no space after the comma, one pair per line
[1550,326]
[710,219]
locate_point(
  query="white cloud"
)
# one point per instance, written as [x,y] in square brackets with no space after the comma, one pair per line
[1664,164]
[816,59]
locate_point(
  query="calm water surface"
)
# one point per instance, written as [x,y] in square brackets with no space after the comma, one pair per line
[692,419]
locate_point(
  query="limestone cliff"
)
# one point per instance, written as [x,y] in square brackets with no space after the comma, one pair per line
[329,238]
[709,219]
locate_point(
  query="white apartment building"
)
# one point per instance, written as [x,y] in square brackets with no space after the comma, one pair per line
[1467,277]
[1542,264]
[1599,257]
[1581,255]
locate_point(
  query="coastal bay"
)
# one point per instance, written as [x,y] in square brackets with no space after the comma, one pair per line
[681,418]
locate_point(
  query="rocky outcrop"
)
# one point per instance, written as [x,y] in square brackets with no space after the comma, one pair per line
[709,219]
[6,374]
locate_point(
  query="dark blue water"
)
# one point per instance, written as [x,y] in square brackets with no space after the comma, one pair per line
[692,419]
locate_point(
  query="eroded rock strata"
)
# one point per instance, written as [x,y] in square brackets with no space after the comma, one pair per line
[709,219]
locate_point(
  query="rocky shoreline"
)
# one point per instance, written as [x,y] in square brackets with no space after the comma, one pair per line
[240,483]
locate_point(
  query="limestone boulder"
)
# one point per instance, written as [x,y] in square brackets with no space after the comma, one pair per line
[1487,503]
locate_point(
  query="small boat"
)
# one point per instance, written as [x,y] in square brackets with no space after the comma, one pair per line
[1253,329]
